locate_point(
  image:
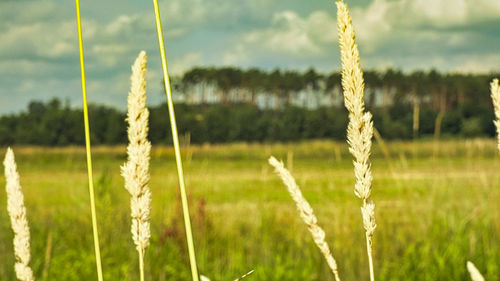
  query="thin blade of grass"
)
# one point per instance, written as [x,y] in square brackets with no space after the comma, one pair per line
[175,137]
[87,146]
[244,275]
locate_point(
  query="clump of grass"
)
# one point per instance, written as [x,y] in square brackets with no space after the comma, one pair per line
[18,220]
[360,127]
[306,213]
[136,170]
[475,275]
[495,96]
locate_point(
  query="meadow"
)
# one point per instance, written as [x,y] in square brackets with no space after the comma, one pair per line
[437,207]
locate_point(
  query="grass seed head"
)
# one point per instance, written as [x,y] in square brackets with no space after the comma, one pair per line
[475,275]
[360,127]
[19,222]
[306,213]
[495,96]
[136,170]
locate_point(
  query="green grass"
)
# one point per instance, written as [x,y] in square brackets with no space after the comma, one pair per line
[436,208]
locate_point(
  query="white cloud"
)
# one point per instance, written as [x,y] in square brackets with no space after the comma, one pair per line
[178,66]
[291,38]
[42,39]
[385,18]
[477,63]
[237,55]
[294,34]
[288,33]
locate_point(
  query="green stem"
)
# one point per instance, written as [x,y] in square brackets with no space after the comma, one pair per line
[87,147]
[175,137]
[141,263]
[370,259]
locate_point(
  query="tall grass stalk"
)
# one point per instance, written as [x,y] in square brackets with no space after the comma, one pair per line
[87,146]
[306,213]
[18,220]
[475,275]
[495,96]
[175,137]
[360,127]
[204,278]
[136,170]
[244,275]
[48,256]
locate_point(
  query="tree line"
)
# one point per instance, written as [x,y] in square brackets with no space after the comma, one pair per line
[217,105]
[279,88]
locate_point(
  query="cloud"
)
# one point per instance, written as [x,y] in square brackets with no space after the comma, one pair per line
[39,55]
[476,63]
[179,66]
[236,56]
[386,18]
[289,34]
[294,34]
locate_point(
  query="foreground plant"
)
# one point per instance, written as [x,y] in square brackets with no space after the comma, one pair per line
[18,220]
[306,213]
[177,150]
[360,128]
[136,170]
[93,213]
[495,96]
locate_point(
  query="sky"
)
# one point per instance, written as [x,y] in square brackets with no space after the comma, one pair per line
[39,52]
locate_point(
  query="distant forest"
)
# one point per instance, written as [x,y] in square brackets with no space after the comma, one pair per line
[228,104]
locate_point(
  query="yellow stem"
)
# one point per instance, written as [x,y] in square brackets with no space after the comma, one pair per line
[87,146]
[141,263]
[370,259]
[175,137]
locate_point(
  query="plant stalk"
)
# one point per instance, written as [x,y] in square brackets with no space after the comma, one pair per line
[87,147]
[141,264]
[175,138]
[370,259]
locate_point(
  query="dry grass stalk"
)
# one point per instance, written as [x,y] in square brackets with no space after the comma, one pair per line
[48,257]
[360,128]
[244,275]
[306,213]
[475,275]
[136,170]
[204,278]
[495,96]
[18,220]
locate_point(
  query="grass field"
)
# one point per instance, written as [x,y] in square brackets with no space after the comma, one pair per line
[437,206]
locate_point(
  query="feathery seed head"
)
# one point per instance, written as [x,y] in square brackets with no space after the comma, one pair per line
[475,275]
[368,212]
[360,127]
[136,170]
[352,76]
[306,213]
[19,222]
[495,96]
